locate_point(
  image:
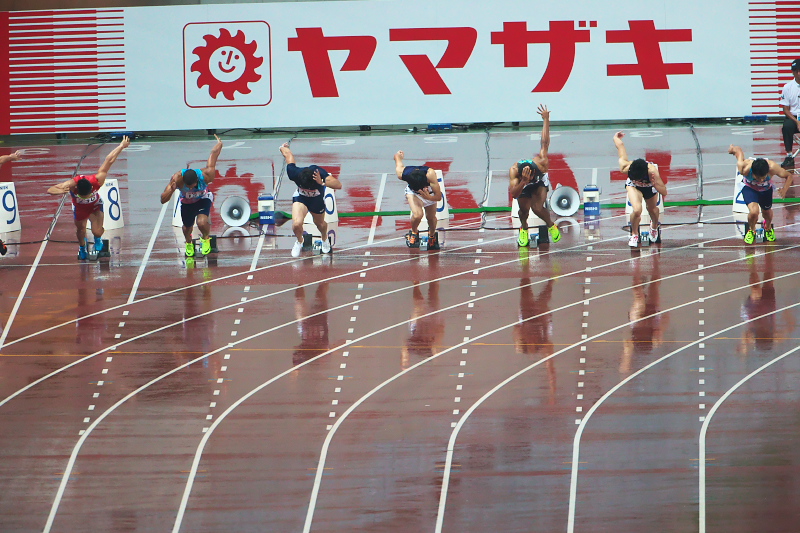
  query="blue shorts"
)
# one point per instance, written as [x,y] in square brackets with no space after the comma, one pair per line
[189,212]
[762,198]
[315,204]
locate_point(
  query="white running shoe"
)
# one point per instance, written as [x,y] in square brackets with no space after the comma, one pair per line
[653,234]
[326,246]
[633,242]
[297,248]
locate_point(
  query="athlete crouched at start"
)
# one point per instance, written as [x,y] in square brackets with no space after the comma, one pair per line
[86,201]
[643,184]
[308,198]
[422,192]
[757,191]
[529,183]
[196,200]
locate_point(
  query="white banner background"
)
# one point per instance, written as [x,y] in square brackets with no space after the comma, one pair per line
[484,90]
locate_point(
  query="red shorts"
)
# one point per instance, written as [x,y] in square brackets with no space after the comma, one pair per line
[82,211]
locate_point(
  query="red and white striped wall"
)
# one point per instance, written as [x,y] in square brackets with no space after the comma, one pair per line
[66,71]
[774,44]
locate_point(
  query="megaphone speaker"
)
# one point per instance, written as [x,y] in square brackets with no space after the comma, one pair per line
[235,211]
[564,201]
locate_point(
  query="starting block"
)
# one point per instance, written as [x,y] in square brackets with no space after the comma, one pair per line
[94,255]
[214,249]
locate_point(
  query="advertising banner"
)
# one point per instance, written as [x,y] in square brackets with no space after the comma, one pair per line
[295,64]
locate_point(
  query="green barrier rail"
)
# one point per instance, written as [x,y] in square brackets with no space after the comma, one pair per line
[688,203]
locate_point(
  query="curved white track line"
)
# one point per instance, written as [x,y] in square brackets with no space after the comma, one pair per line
[576,443]
[88,431]
[237,304]
[181,289]
[223,415]
[340,420]
[707,422]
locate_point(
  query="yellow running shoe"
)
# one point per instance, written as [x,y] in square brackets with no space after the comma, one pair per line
[555,235]
[523,239]
[205,246]
[770,235]
[189,249]
[750,237]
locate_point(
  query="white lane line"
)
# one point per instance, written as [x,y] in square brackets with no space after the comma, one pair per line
[712,411]
[147,253]
[448,464]
[257,253]
[576,442]
[76,450]
[378,201]
[199,452]
[216,280]
[154,331]
[21,294]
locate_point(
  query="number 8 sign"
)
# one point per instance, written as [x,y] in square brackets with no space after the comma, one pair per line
[112,208]
[9,213]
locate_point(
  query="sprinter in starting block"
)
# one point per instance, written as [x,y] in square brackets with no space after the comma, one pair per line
[422,192]
[757,191]
[87,204]
[309,197]
[529,183]
[643,183]
[196,199]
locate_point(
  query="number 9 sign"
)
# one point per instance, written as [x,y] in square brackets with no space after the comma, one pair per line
[9,214]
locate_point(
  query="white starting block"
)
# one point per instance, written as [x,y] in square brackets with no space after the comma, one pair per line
[9,214]
[739,205]
[112,206]
[645,218]
[331,211]
[442,209]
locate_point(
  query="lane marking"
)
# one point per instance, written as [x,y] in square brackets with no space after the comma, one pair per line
[147,253]
[707,422]
[22,292]
[378,201]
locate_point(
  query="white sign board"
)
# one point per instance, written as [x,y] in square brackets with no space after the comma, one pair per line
[112,206]
[9,209]
[301,64]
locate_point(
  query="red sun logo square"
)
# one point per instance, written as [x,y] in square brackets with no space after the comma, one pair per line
[227,64]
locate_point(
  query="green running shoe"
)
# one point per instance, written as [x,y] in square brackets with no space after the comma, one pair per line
[205,246]
[189,249]
[555,235]
[750,237]
[523,239]
[770,234]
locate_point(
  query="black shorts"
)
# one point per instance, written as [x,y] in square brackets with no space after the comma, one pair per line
[189,212]
[647,192]
[762,198]
[529,189]
[315,204]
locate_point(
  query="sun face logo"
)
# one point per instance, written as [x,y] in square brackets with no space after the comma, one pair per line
[227,64]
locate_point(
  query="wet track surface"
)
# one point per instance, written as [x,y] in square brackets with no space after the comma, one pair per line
[580,386]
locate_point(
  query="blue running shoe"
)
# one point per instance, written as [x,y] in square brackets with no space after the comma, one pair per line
[82,255]
[98,244]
